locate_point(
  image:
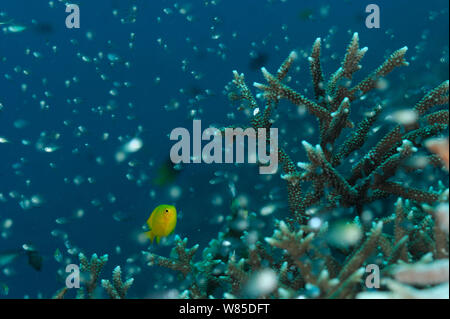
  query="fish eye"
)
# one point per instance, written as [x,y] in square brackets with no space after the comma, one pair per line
[167,210]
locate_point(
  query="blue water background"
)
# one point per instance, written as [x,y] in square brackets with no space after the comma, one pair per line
[402,23]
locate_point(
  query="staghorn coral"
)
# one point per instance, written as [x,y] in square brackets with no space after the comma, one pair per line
[430,274]
[409,243]
[117,289]
[300,259]
[405,245]
[60,294]
[93,267]
[369,179]
[180,260]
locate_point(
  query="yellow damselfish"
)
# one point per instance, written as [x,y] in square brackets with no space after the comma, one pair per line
[162,222]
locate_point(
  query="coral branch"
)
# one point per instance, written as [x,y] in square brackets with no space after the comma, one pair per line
[117,289]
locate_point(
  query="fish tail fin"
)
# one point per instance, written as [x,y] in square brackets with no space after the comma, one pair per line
[150,235]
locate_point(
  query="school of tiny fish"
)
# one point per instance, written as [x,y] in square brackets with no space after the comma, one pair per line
[85,116]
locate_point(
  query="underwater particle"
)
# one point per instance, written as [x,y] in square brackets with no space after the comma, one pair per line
[28,247]
[79,213]
[367,216]
[113,57]
[2,22]
[20,123]
[58,255]
[7,223]
[217,200]
[324,11]
[37,200]
[99,160]
[61,220]
[78,180]
[141,238]
[217,219]
[344,234]
[404,117]
[382,84]
[215,181]
[175,192]
[242,200]
[7,271]
[252,238]
[172,105]
[105,136]
[47,142]
[14,194]
[84,58]
[418,162]
[3,140]
[120,216]
[111,198]
[168,11]
[16,28]
[268,210]
[96,202]
[89,35]
[59,233]
[315,223]
[262,283]
[25,204]
[240,225]
[6,257]
[37,55]
[133,146]
[312,291]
